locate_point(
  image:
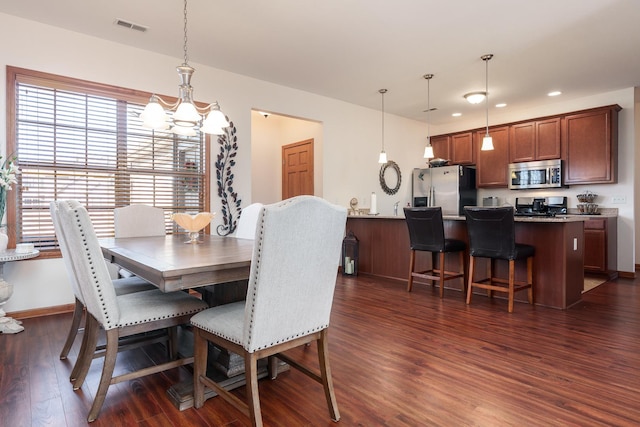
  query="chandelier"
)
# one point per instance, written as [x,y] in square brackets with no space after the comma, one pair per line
[186,117]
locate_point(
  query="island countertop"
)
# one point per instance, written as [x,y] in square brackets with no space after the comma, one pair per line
[558,262]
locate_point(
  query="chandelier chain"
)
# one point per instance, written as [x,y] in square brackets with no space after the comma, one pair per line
[186,57]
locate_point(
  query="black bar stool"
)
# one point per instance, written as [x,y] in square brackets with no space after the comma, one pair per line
[492,235]
[426,233]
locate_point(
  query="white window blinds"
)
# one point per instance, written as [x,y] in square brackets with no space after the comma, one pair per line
[83,141]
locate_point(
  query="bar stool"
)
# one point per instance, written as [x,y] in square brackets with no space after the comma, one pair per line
[426,233]
[492,235]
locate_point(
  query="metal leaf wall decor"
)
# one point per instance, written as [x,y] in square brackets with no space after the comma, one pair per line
[228,144]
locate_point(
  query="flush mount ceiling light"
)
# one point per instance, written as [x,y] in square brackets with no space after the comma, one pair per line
[554,93]
[383,156]
[475,97]
[184,117]
[487,141]
[428,150]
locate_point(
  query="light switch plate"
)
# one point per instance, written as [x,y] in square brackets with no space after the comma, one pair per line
[619,199]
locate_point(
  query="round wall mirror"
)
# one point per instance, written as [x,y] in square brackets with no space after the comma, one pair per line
[390,177]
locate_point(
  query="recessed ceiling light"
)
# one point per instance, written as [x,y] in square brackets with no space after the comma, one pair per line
[501,105]
[456,114]
[554,93]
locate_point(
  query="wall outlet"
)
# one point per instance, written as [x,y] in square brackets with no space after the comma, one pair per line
[619,199]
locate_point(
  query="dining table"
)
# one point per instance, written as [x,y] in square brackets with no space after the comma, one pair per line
[172,263]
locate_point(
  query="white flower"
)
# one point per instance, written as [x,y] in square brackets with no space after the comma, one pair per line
[8,174]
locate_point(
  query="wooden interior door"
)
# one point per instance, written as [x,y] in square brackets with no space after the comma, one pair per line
[297,169]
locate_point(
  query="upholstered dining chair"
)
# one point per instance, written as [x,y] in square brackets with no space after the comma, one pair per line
[492,235]
[426,233]
[291,285]
[247,222]
[118,315]
[137,220]
[122,286]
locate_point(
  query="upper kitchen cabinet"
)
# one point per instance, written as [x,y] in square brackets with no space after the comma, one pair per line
[590,146]
[492,166]
[441,147]
[535,140]
[462,149]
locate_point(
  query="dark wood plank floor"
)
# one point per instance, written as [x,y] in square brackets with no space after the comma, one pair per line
[398,359]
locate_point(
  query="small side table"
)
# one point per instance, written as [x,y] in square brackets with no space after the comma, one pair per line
[9,325]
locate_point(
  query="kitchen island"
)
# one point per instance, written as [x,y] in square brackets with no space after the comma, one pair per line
[558,263]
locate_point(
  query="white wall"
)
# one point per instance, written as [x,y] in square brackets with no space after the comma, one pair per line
[347,144]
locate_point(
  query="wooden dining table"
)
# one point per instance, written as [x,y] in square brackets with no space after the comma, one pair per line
[172,264]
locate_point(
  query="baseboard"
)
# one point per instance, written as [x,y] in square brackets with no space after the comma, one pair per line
[627,274]
[39,312]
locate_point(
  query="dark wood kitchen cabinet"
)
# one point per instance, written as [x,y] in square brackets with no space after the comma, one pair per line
[535,140]
[600,241]
[492,167]
[441,146]
[462,149]
[590,146]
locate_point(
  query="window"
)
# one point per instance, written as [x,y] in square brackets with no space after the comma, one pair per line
[80,140]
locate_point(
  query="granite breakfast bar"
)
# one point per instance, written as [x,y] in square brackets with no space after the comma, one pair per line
[558,262]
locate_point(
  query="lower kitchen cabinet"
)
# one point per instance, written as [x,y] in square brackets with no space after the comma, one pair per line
[600,238]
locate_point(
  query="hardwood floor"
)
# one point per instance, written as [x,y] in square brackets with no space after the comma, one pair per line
[398,359]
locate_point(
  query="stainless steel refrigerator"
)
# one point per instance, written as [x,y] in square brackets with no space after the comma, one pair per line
[450,187]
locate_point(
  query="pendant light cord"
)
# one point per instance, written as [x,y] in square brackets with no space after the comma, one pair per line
[486,59]
[382,92]
[186,56]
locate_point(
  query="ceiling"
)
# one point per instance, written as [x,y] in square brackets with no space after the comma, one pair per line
[349,49]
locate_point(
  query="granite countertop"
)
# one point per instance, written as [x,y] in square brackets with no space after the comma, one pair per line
[572,216]
[563,218]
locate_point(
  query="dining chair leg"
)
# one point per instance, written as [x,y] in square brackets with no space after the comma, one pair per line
[442,274]
[472,266]
[89,342]
[82,353]
[512,278]
[412,262]
[172,343]
[253,398]
[325,374]
[111,353]
[73,331]
[272,366]
[200,350]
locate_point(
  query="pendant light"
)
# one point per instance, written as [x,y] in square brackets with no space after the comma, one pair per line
[487,141]
[428,150]
[383,156]
[186,118]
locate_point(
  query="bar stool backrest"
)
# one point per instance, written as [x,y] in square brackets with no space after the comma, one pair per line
[491,232]
[426,229]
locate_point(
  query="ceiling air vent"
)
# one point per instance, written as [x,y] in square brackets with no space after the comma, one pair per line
[131,25]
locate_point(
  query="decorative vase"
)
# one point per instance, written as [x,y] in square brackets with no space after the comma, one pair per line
[4,239]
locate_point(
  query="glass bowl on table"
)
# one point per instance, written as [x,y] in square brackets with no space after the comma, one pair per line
[193,223]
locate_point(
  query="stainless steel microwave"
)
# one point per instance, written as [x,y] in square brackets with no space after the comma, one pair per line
[541,174]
